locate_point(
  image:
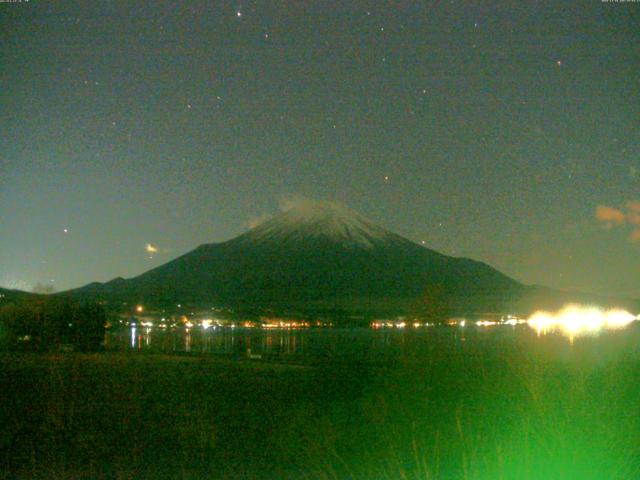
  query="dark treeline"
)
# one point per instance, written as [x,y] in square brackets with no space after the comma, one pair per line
[48,323]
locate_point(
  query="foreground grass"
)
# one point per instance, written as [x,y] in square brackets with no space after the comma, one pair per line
[100,415]
[516,409]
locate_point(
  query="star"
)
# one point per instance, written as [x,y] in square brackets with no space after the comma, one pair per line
[65,230]
[559,63]
[238,14]
[386,179]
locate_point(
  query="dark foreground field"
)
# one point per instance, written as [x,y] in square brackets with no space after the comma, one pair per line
[518,409]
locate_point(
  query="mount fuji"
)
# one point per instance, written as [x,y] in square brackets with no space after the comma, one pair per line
[317,257]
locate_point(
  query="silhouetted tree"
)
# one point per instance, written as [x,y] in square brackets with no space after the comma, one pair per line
[91,320]
[433,305]
[43,288]
[46,323]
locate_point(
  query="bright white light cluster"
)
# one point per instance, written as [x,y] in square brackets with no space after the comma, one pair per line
[576,320]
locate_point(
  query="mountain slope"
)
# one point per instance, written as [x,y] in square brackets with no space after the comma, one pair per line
[318,256]
[7,296]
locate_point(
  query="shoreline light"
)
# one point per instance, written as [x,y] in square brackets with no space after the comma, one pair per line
[578,320]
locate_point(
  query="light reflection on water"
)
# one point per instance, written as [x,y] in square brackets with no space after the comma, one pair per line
[215,341]
[219,341]
[365,344]
[133,337]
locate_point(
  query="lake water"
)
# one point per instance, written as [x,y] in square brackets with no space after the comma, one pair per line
[372,345]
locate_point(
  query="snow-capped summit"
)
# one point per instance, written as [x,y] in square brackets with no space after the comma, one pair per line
[320,220]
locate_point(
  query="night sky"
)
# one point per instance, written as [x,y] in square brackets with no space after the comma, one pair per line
[507,132]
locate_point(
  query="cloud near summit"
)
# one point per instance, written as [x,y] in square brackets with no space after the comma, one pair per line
[256,220]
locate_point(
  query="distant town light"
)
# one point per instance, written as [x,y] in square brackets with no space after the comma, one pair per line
[485,323]
[139,308]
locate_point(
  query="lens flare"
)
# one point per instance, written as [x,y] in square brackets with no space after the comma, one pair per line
[577,320]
